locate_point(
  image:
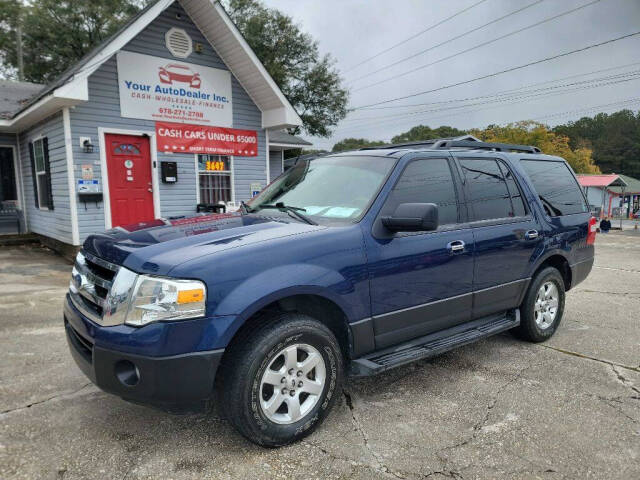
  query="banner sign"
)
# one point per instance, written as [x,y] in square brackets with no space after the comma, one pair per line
[184,138]
[154,88]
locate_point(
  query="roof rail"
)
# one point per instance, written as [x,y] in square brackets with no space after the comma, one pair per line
[498,147]
[424,143]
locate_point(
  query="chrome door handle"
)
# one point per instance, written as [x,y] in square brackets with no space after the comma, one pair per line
[150,190]
[531,235]
[456,246]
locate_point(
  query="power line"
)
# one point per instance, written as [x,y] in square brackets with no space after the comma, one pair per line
[617,104]
[494,74]
[414,36]
[447,41]
[483,44]
[510,102]
[499,97]
[507,91]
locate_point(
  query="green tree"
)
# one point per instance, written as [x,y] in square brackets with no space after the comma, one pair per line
[56,34]
[539,135]
[614,138]
[423,132]
[355,144]
[308,79]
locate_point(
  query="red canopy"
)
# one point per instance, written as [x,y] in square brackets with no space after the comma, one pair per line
[598,180]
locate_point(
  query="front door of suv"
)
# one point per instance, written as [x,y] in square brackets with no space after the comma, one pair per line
[505,232]
[421,282]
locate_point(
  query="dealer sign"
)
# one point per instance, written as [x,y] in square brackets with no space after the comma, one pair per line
[160,89]
[185,138]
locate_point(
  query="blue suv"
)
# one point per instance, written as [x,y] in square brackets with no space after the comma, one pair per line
[346,264]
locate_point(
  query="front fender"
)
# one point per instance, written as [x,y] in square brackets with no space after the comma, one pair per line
[276,283]
[271,285]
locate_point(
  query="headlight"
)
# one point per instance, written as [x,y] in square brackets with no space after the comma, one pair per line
[155,299]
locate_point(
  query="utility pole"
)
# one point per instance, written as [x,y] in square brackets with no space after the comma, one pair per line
[19,49]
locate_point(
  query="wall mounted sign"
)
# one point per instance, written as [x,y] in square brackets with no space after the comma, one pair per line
[89,186]
[255,188]
[87,172]
[184,138]
[156,88]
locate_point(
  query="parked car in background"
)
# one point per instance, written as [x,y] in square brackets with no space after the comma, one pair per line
[347,264]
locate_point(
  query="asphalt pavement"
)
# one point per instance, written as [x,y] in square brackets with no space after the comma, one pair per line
[500,408]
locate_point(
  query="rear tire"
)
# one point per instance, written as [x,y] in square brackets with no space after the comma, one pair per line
[543,306]
[281,379]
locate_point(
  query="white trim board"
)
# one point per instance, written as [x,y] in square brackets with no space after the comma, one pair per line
[73,203]
[155,184]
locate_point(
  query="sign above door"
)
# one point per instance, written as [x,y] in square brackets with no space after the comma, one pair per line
[154,88]
[184,138]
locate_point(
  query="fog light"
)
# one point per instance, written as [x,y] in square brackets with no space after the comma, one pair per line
[127,373]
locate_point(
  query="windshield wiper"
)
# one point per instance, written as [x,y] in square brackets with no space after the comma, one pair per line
[290,209]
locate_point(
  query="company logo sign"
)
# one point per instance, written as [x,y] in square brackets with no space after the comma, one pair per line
[152,88]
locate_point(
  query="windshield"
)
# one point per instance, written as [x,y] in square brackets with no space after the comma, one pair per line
[329,189]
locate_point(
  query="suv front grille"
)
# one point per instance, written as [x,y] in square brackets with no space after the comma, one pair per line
[91,280]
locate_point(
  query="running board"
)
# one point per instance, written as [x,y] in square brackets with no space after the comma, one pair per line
[433,344]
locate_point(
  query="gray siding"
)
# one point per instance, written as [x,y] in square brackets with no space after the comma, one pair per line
[7,138]
[275,164]
[103,110]
[55,223]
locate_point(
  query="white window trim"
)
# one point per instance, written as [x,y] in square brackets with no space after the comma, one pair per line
[104,174]
[230,171]
[39,173]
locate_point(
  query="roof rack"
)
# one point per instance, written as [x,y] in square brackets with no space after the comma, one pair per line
[497,147]
[442,143]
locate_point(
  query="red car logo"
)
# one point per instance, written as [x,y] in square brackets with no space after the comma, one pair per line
[179,73]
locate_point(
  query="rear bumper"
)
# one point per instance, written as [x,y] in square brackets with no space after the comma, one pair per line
[178,383]
[580,271]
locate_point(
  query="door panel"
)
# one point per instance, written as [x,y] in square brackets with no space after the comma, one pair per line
[419,286]
[130,185]
[503,256]
[505,234]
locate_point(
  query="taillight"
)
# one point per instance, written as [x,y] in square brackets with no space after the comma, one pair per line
[591,235]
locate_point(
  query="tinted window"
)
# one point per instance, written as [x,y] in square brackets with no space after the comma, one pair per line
[558,190]
[488,194]
[517,201]
[426,181]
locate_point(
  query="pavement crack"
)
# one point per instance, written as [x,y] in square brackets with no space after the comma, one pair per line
[381,467]
[622,379]
[588,357]
[445,473]
[45,400]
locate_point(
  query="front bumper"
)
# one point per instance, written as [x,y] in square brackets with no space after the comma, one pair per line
[177,383]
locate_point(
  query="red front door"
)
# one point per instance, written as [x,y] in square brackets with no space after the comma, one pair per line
[130,186]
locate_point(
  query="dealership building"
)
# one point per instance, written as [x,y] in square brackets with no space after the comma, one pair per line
[172,112]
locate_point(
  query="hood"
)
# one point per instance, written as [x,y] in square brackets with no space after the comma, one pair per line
[158,246]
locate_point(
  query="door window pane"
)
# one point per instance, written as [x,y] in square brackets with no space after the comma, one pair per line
[519,209]
[426,181]
[557,188]
[488,194]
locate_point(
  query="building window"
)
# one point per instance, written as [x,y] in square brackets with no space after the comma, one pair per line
[214,178]
[39,152]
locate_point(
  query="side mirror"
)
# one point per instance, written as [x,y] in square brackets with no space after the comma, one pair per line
[413,217]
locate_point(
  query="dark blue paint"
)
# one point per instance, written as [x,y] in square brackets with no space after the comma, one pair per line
[250,261]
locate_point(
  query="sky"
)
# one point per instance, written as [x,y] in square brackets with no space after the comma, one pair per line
[355,32]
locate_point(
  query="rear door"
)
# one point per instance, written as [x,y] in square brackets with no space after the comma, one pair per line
[505,232]
[421,282]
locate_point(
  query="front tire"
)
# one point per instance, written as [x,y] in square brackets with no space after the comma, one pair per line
[281,379]
[543,306]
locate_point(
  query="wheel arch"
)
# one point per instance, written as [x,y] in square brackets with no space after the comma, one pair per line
[558,261]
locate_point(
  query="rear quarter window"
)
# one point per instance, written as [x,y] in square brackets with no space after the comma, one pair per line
[556,186]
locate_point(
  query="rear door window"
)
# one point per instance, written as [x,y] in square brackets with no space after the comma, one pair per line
[487,192]
[556,186]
